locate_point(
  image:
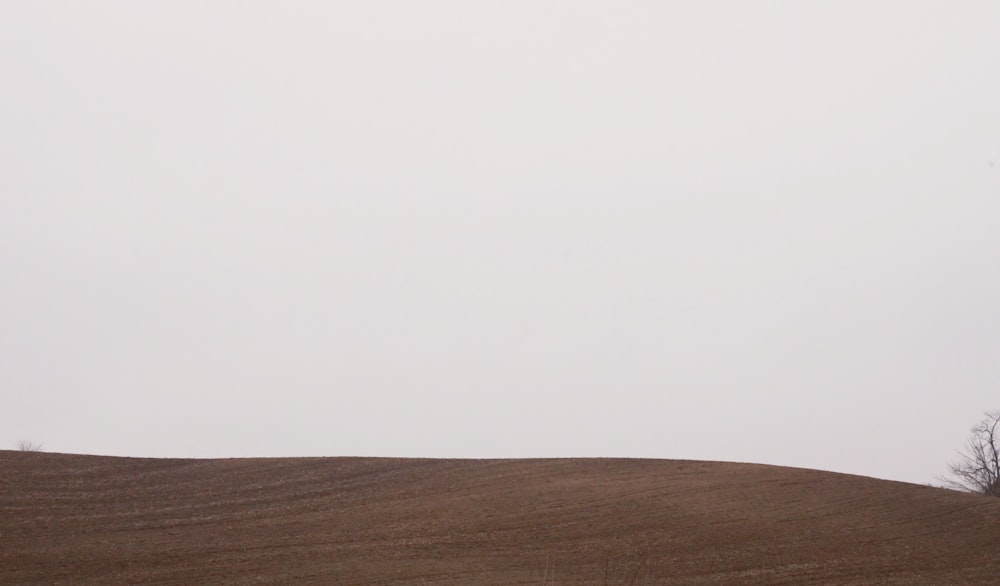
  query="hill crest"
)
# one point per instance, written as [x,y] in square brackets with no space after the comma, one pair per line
[99,519]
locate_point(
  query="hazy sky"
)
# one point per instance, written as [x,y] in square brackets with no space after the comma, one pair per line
[754,231]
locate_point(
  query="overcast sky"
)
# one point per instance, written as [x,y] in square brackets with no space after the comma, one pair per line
[753,231]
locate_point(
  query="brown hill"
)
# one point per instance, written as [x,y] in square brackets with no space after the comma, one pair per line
[68,519]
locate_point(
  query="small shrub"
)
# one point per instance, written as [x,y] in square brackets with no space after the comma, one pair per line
[28,446]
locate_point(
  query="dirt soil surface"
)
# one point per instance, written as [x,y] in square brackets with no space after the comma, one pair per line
[67,519]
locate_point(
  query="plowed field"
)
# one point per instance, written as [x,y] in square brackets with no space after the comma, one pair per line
[67,519]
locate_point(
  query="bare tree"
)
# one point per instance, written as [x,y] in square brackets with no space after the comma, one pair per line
[29,446]
[978,466]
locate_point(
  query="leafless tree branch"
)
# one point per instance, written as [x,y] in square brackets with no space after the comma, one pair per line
[978,466]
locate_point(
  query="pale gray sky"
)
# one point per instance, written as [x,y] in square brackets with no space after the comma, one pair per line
[757,231]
